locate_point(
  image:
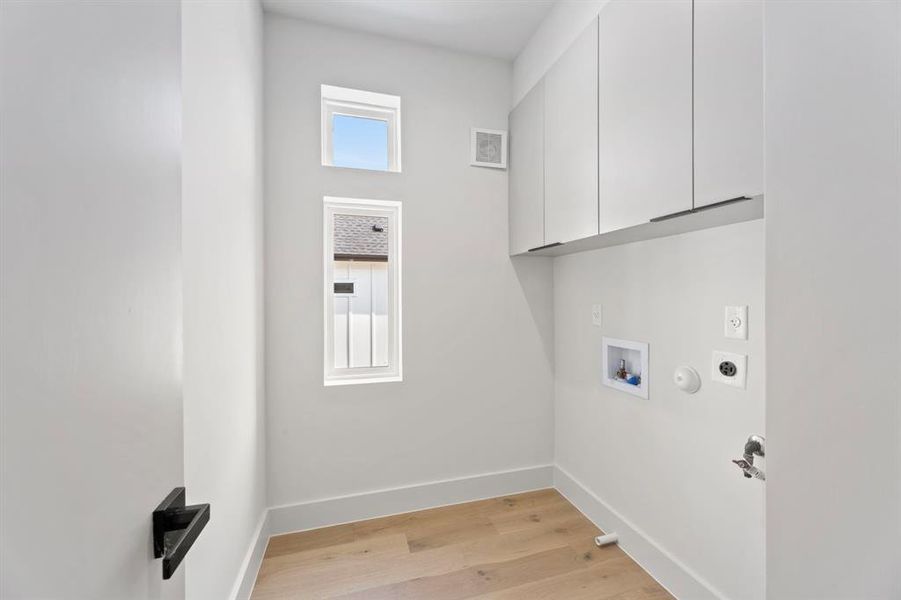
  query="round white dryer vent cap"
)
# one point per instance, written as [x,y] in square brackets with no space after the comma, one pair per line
[687,379]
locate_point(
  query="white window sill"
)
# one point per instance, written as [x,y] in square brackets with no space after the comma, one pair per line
[362,169]
[361,380]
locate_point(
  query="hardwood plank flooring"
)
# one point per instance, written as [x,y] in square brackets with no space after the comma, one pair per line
[525,546]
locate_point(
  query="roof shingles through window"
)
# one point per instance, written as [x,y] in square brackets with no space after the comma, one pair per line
[361,237]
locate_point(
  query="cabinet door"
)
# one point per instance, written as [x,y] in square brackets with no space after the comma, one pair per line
[525,171]
[645,111]
[571,142]
[728,99]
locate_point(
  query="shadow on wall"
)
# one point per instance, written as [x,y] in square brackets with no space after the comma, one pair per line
[536,279]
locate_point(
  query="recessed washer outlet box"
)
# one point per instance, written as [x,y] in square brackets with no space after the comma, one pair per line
[730,369]
[633,357]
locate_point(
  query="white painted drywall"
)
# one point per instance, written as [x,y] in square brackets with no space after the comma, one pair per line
[562,25]
[477,389]
[90,308]
[222,242]
[664,463]
[833,118]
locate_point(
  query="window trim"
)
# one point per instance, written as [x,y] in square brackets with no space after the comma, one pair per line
[365,105]
[392,210]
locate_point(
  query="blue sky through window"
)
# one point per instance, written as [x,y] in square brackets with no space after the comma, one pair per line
[359,143]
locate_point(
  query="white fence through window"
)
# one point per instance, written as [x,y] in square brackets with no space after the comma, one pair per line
[361,313]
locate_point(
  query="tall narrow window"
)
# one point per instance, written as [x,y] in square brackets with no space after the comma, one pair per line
[360,130]
[362,291]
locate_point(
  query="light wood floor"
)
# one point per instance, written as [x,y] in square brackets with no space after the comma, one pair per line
[533,545]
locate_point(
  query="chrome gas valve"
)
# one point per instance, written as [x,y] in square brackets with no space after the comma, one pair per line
[755,446]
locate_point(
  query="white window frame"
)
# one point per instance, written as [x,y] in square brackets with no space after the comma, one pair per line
[366,105]
[391,210]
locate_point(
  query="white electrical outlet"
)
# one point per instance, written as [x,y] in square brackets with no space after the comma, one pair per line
[736,322]
[730,369]
[596,314]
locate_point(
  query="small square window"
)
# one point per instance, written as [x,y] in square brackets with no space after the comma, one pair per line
[360,130]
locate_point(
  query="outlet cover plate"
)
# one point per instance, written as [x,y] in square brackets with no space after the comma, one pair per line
[597,313]
[735,324]
[740,379]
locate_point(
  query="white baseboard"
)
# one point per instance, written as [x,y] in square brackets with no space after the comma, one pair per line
[381,503]
[247,576]
[671,573]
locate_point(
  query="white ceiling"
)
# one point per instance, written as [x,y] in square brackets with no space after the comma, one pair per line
[498,28]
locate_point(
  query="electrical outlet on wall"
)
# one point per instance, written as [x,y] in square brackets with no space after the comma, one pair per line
[596,315]
[730,369]
[735,325]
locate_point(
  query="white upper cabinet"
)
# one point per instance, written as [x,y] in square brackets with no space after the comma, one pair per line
[655,109]
[525,172]
[571,141]
[645,114]
[728,99]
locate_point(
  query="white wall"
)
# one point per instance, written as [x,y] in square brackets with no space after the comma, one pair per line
[833,117]
[222,240]
[477,389]
[663,464]
[90,308]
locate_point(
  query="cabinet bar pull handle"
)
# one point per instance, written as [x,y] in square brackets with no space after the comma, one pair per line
[692,211]
[674,215]
[545,246]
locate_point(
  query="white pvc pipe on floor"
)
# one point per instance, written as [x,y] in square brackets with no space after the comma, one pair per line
[606,540]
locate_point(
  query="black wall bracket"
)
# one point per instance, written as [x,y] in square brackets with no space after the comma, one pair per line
[175,528]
